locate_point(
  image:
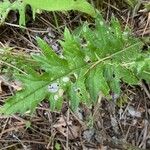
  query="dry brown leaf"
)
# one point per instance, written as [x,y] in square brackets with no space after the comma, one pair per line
[16,85]
[61,126]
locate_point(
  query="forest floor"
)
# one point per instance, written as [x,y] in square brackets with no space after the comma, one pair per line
[103,127]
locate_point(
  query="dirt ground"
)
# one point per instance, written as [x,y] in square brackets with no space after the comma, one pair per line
[122,124]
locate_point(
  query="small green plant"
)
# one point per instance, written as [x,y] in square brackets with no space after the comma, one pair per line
[131,3]
[57,146]
[147,6]
[49,5]
[93,61]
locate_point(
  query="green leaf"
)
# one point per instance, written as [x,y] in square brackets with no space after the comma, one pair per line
[74,97]
[112,78]
[50,58]
[49,53]
[55,102]
[77,91]
[92,62]
[62,5]
[147,6]
[142,68]
[96,83]
[27,99]
[127,75]
[72,52]
[49,5]
[132,3]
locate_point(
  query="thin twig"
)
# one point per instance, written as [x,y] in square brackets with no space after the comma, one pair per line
[146,90]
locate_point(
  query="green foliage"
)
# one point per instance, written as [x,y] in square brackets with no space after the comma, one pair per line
[49,5]
[57,146]
[147,6]
[131,3]
[93,61]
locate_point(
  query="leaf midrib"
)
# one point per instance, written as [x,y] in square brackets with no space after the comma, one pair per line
[92,65]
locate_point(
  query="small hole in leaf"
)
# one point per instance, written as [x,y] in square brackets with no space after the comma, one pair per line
[89,61]
[78,90]
[113,75]
[81,94]
[72,78]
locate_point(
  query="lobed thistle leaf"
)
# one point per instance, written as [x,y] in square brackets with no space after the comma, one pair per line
[94,61]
